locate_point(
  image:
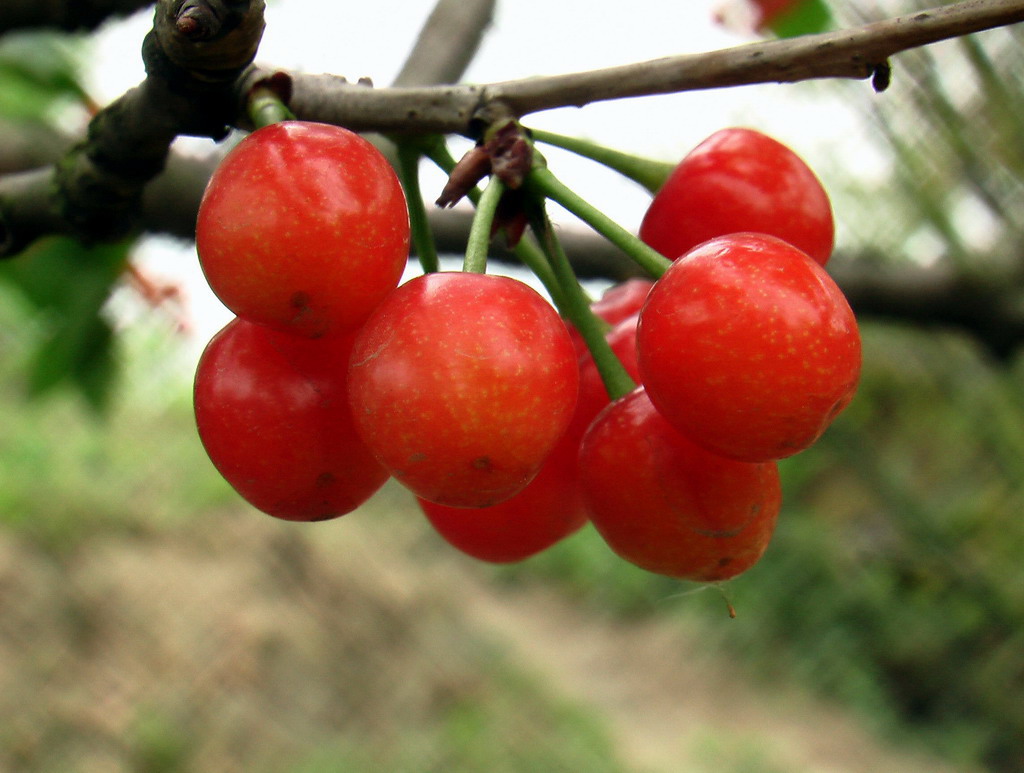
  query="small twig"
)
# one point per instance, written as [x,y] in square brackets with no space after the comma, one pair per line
[447,43]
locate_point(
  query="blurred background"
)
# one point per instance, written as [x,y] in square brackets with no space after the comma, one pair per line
[151,621]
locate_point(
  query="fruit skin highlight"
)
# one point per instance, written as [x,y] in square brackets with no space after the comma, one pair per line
[303,227]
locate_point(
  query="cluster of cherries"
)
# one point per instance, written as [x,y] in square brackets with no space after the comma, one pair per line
[474,393]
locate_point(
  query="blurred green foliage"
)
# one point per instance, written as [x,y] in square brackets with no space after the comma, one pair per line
[472,736]
[949,129]
[39,75]
[66,284]
[69,473]
[805,18]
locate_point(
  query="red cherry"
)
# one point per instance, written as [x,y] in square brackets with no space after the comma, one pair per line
[622,300]
[770,11]
[669,506]
[462,384]
[740,180]
[303,227]
[272,412]
[748,347]
[547,511]
[550,508]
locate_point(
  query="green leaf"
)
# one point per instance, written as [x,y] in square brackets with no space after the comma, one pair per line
[68,285]
[806,18]
[37,71]
[79,352]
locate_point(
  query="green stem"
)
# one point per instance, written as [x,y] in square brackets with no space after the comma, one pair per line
[647,172]
[479,242]
[545,183]
[576,307]
[265,107]
[527,252]
[422,237]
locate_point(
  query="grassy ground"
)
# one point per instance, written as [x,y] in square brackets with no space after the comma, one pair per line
[242,644]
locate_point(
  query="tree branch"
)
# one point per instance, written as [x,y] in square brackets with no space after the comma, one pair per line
[192,88]
[194,55]
[853,53]
[990,307]
[447,43]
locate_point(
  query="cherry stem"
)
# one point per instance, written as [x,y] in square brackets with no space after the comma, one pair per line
[527,252]
[646,172]
[479,241]
[544,182]
[576,306]
[422,237]
[265,107]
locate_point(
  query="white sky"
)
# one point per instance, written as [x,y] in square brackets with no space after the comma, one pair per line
[529,37]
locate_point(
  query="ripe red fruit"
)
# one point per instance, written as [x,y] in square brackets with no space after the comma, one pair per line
[551,507]
[622,300]
[748,347]
[740,180]
[669,506]
[303,227]
[462,384]
[272,412]
[547,511]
